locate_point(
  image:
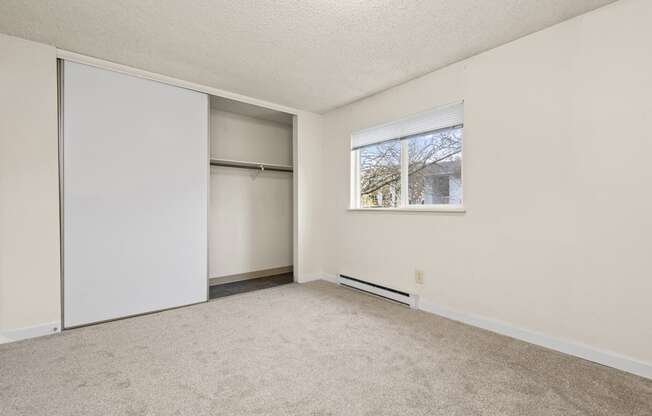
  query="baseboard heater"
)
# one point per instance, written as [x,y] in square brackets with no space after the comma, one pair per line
[378,290]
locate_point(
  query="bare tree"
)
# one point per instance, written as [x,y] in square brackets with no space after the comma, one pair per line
[380,165]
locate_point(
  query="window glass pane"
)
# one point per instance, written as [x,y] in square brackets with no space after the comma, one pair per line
[380,175]
[435,167]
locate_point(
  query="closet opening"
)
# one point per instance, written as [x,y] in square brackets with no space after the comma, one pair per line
[250,218]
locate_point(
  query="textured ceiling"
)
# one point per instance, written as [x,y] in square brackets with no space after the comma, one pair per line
[309,54]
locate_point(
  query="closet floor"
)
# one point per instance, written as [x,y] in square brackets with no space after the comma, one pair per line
[228,289]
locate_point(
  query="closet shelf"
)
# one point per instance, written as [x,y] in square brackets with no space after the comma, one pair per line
[250,165]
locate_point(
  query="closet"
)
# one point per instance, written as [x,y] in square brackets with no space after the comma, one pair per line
[250,210]
[165,191]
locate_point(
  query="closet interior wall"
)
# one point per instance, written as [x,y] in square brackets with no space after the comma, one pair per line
[250,211]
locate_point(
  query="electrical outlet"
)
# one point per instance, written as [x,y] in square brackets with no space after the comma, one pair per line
[418,276]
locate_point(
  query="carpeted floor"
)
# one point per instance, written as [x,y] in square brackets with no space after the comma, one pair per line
[312,349]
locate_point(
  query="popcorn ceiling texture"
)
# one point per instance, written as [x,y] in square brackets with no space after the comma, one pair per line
[310,54]
[310,349]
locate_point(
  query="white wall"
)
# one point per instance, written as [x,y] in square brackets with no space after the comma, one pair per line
[309,174]
[251,211]
[29,189]
[239,137]
[556,239]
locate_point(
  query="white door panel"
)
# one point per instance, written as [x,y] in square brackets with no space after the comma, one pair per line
[135,189]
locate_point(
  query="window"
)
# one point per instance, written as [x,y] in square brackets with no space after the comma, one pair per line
[435,167]
[380,174]
[416,162]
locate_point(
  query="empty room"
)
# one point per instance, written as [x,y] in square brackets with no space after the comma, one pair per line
[345,207]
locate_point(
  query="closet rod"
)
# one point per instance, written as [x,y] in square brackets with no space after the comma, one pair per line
[250,165]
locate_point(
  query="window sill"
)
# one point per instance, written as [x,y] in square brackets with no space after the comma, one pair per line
[443,209]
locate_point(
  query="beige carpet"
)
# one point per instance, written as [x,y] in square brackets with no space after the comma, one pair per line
[313,349]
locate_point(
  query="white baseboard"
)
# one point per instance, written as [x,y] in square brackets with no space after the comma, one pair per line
[329,277]
[309,277]
[586,352]
[12,335]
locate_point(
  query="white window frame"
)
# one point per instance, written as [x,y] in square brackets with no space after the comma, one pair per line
[404,205]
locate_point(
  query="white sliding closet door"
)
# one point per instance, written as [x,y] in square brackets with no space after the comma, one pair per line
[135,184]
